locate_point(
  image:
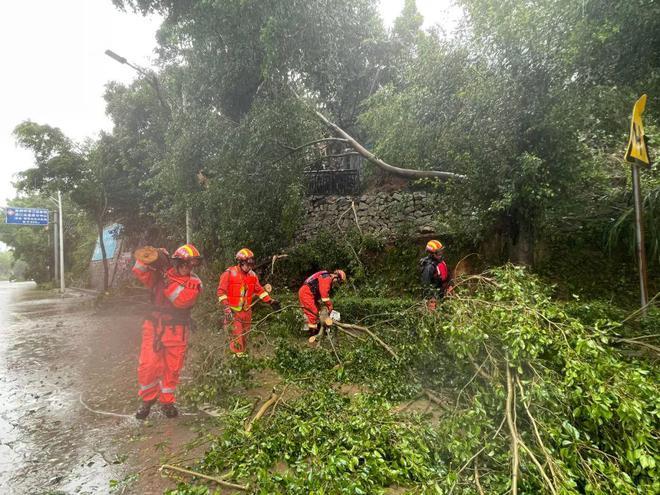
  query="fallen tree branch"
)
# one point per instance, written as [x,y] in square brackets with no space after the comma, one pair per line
[243,488]
[476,477]
[104,413]
[274,259]
[538,466]
[262,410]
[373,336]
[351,334]
[539,440]
[368,155]
[435,399]
[510,405]
[654,348]
[638,311]
[316,141]
[356,217]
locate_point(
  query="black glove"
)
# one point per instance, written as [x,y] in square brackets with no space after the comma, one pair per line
[275,305]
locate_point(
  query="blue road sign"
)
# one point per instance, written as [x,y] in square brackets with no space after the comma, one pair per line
[26,216]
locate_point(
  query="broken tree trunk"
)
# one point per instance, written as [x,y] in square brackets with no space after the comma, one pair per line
[401,172]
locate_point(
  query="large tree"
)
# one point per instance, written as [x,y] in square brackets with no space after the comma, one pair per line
[88,174]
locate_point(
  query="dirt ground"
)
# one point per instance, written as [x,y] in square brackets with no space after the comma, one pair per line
[68,394]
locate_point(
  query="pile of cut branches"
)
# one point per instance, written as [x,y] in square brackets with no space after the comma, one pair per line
[521,394]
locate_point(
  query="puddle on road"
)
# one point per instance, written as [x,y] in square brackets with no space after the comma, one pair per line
[53,353]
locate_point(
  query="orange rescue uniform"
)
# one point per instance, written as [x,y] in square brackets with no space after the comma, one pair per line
[314,292]
[235,291]
[165,330]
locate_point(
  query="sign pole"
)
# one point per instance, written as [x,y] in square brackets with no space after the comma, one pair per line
[55,259]
[59,206]
[637,154]
[639,234]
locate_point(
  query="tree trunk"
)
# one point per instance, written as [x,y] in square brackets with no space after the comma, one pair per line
[521,247]
[401,172]
[99,225]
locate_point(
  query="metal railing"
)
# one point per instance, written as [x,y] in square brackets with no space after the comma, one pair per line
[331,182]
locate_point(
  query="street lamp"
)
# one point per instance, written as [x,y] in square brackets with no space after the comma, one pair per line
[149,76]
[153,82]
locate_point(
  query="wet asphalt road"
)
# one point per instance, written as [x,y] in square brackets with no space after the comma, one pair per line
[61,358]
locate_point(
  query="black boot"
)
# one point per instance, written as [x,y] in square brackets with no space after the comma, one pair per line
[169,410]
[144,409]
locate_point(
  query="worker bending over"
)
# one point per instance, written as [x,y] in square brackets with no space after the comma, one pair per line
[315,293]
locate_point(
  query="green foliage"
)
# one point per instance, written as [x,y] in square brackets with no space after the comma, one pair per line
[336,445]
[594,404]
[6,262]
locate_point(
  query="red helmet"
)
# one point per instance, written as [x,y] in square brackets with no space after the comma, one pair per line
[245,255]
[433,246]
[341,275]
[187,252]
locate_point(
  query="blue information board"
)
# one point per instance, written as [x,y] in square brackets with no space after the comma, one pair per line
[26,216]
[110,240]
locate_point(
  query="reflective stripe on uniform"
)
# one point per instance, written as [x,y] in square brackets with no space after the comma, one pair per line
[263,295]
[172,297]
[167,390]
[325,299]
[140,266]
[151,385]
[222,298]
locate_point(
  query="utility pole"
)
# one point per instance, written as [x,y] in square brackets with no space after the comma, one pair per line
[61,230]
[55,257]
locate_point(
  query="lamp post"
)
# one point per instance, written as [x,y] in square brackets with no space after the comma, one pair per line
[151,78]
[59,235]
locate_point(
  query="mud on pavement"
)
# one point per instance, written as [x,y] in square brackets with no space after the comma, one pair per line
[68,394]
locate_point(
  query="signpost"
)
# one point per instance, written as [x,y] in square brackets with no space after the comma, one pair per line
[638,154]
[26,216]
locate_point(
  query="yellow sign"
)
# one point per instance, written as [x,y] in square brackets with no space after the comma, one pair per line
[637,150]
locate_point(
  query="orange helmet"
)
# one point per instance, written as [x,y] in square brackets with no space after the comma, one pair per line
[187,252]
[341,274]
[434,246]
[244,255]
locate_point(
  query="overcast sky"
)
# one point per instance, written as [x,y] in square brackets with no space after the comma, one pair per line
[54,68]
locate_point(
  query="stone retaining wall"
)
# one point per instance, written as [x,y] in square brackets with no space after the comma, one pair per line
[383,215]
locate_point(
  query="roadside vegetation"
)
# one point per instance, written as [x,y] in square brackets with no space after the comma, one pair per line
[504,378]
[541,379]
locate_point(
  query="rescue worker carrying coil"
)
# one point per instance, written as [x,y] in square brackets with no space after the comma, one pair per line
[435,278]
[314,292]
[165,330]
[236,287]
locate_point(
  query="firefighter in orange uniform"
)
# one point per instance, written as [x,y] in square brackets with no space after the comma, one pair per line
[236,287]
[316,291]
[165,331]
[435,278]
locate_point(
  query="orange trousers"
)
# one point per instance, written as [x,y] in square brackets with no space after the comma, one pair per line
[309,307]
[162,355]
[239,328]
